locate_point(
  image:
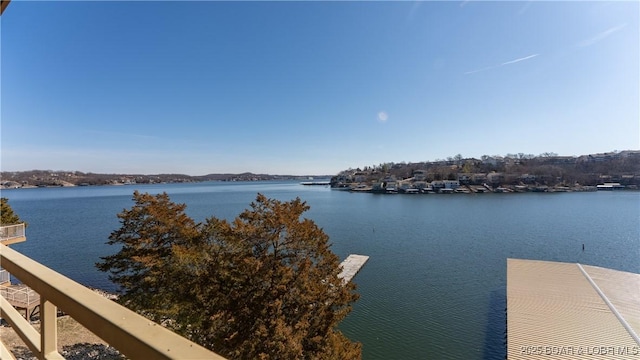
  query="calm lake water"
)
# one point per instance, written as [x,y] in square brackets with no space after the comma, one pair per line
[435,284]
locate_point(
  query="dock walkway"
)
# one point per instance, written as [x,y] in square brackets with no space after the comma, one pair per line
[351,265]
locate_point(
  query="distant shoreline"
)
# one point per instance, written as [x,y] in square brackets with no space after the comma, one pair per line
[9,185]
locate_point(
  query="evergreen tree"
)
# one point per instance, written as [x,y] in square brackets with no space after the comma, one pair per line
[264,286]
[7,216]
[148,234]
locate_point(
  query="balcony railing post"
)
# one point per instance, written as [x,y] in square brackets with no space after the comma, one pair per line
[133,335]
[48,330]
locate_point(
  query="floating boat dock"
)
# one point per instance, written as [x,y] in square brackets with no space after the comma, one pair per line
[571,311]
[351,265]
[318,183]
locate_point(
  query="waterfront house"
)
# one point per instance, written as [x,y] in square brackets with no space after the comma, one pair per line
[627,179]
[478,179]
[420,175]
[389,178]
[464,179]
[360,177]
[437,185]
[451,184]
[492,160]
[560,160]
[404,185]
[495,178]
[384,186]
[391,186]
[420,184]
[633,154]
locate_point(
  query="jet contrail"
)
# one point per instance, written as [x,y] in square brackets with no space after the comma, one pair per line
[520,59]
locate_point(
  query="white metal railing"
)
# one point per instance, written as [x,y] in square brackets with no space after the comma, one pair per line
[133,335]
[19,294]
[4,276]
[8,232]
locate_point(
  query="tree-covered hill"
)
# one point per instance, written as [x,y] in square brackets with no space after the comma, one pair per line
[547,169]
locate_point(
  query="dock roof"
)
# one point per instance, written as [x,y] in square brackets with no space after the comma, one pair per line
[571,311]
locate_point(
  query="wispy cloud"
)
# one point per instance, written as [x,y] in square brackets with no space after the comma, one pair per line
[600,36]
[503,64]
[481,70]
[520,59]
[462,4]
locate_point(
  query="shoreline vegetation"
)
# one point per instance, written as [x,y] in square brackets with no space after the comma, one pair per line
[520,172]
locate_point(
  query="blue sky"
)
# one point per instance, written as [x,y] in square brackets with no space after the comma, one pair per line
[312,87]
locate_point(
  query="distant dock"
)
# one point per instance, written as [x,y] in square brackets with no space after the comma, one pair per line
[325,183]
[351,265]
